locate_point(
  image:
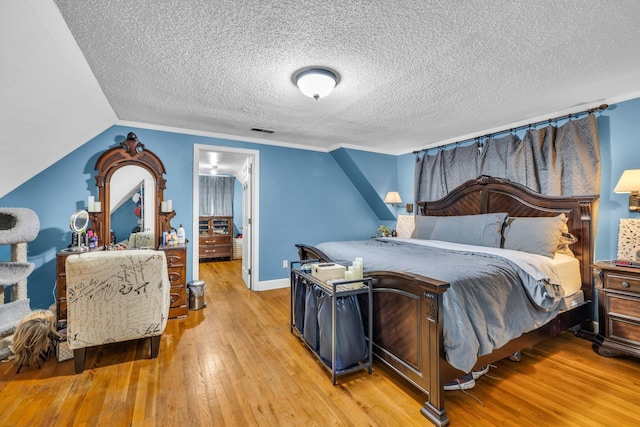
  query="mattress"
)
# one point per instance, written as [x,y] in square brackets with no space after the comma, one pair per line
[568,271]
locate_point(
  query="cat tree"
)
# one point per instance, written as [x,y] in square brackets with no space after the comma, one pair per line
[18,226]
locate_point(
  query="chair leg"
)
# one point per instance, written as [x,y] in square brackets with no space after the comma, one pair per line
[155,346]
[78,359]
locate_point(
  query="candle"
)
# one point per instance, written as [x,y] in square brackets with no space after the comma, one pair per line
[348,275]
[357,268]
[97,207]
[169,206]
[90,201]
[163,206]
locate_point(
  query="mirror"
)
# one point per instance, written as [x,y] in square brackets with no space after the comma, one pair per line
[131,185]
[78,223]
[132,197]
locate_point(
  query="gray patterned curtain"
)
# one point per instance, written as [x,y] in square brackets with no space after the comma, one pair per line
[216,195]
[562,161]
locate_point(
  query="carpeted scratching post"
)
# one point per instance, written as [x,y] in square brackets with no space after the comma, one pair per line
[17,227]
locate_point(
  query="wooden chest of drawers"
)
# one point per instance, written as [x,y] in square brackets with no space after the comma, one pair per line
[215,237]
[177,269]
[619,309]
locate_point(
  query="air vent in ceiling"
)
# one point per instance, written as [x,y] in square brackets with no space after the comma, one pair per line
[263,130]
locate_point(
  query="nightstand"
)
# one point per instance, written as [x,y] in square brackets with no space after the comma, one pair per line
[618,308]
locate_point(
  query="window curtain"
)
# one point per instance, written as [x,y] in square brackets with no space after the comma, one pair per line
[216,195]
[555,161]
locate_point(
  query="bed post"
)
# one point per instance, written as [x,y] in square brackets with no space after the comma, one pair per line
[433,408]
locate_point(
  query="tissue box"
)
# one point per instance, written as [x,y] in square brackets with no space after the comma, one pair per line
[329,271]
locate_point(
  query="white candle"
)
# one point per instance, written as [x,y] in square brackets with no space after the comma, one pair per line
[348,275]
[97,207]
[163,206]
[90,201]
[357,268]
[169,206]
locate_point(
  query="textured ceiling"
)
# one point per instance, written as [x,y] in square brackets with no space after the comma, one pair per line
[415,74]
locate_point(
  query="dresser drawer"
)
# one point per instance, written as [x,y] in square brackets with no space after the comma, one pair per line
[622,282]
[623,306]
[61,286]
[174,259]
[176,278]
[215,251]
[62,309]
[177,296]
[621,329]
[215,240]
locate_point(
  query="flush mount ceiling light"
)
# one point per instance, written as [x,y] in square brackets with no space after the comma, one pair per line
[316,82]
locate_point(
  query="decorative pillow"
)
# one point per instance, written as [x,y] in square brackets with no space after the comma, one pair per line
[406,225]
[424,226]
[479,230]
[539,235]
[566,239]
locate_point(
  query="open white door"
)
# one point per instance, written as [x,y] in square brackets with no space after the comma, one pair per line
[244,165]
[247,216]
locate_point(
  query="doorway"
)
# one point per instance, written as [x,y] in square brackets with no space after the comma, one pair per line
[242,164]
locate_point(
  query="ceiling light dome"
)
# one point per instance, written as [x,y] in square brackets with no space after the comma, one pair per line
[316,82]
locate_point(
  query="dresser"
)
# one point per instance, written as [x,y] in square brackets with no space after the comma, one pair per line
[215,239]
[177,268]
[618,309]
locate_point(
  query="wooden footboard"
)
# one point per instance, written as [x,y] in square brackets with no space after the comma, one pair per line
[409,307]
[407,331]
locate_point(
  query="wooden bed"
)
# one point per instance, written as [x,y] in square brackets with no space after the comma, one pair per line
[407,309]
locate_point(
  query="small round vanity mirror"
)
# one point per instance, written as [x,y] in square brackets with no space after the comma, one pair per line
[78,223]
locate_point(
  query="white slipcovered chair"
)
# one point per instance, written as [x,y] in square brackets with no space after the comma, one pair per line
[115,296]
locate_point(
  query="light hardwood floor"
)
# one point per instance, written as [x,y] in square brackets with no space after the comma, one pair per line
[235,363]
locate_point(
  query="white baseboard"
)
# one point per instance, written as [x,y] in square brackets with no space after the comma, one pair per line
[268,285]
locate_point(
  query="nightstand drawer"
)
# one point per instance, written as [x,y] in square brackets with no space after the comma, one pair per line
[624,330]
[621,306]
[622,282]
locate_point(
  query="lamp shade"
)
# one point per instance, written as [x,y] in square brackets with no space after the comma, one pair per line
[315,82]
[392,197]
[629,182]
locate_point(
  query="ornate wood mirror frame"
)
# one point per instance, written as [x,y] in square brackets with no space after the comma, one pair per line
[131,152]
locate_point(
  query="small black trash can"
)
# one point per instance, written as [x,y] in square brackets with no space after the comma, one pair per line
[196,294]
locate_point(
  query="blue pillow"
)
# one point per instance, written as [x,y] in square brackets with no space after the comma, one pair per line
[424,226]
[479,230]
[540,235]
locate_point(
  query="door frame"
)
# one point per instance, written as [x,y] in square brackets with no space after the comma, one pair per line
[254,182]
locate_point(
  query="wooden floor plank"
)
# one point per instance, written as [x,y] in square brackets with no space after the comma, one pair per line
[235,363]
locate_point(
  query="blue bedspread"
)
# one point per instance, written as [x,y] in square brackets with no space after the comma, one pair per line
[492,299]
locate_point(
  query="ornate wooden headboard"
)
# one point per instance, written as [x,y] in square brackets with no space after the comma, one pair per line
[488,194]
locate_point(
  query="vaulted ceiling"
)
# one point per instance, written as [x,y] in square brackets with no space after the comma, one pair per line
[414,74]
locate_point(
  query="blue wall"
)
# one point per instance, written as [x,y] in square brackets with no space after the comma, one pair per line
[305,196]
[619,130]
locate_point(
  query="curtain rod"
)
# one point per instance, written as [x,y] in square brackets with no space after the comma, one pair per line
[528,126]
